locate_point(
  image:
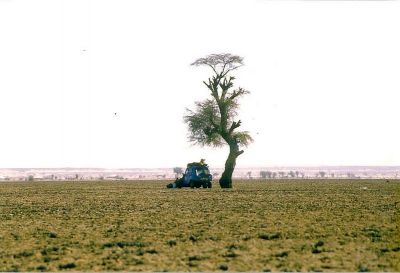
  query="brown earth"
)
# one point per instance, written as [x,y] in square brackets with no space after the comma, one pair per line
[292,225]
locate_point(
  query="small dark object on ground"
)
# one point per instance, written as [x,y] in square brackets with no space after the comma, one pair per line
[282,254]
[171,243]
[363,268]
[195,258]
[122,244]
[67,266]
[41,268]
[316,248]
[319,243]
[52,235]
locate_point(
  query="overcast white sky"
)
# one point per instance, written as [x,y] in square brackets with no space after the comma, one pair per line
[324,78]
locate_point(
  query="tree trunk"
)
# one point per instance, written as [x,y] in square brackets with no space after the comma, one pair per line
[226,178]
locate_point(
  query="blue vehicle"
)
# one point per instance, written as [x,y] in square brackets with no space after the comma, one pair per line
[196,175]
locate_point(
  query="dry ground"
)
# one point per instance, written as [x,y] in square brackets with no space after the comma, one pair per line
[281,225]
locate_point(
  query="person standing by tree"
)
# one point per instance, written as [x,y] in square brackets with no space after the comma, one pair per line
[213,122]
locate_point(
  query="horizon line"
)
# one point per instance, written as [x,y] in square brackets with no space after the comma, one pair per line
[238,167]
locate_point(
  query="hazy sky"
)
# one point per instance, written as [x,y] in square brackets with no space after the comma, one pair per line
[324,78]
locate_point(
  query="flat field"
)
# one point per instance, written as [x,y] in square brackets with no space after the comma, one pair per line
[282,225]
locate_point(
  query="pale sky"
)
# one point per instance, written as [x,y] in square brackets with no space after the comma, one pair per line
[324,78]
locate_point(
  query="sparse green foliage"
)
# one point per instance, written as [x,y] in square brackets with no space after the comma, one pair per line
[200,124]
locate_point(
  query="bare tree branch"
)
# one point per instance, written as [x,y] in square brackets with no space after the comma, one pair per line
[234,125]
[229,70]
[238,92]
[213,68]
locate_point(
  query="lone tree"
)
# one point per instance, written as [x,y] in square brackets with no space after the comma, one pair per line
[178,171]
[213,123]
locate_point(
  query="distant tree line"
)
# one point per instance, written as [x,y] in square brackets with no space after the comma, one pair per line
[298,174]
[281,174]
